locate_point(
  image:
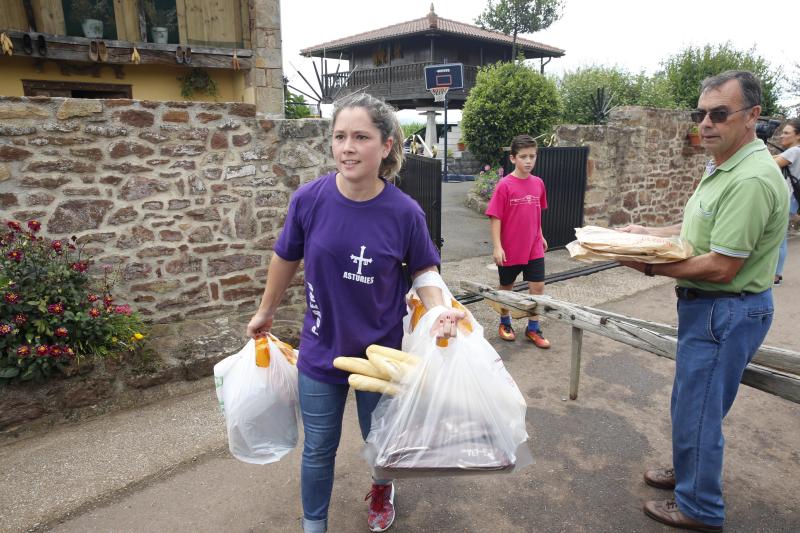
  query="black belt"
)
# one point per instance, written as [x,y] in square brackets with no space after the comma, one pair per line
[688,293]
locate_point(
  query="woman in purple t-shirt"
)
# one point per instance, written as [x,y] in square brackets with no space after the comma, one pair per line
[353,230]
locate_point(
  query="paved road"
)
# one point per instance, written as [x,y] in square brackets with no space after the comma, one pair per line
[465,232]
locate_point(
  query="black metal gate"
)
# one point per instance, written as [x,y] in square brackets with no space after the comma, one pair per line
[563,170]
[421,178]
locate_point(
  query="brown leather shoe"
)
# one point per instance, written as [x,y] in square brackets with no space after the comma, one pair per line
[667,512]
[661,478]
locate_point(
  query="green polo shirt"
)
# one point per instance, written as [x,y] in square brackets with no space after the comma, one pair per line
[739,209]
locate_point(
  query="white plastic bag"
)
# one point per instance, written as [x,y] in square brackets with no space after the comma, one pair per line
[459,411]
[260,404]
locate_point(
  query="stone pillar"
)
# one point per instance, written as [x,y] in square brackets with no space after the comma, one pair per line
[431,137]
[265,78]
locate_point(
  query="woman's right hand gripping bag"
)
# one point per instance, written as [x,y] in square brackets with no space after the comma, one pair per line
[458,412]
[260,403]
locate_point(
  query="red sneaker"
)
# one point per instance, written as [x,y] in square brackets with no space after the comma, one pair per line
[381,507]
[537,338]
[506,333]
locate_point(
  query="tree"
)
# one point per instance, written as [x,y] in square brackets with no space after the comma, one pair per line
[508,99]
[295,105]
[686,69]
[519,16]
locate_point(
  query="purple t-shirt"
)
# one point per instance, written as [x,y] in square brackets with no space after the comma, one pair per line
[353,254]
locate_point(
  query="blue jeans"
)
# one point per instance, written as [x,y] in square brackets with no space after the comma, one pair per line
[322,409]
[717,338]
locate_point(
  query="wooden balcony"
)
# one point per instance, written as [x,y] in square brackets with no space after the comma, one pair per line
[402,85]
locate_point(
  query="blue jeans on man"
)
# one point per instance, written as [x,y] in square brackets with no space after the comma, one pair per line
[717,338]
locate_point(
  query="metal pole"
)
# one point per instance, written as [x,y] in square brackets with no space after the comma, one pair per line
[444,173]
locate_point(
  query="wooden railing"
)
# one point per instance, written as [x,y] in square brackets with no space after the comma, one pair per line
[390,75]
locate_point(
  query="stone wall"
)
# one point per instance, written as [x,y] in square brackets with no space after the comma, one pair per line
[642,169]
[184,199]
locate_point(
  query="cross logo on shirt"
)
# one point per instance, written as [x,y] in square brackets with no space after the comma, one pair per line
[360,260]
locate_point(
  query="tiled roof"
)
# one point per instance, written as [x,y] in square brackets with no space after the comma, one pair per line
[432,22]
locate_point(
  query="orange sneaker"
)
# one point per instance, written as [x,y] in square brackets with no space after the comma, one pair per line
[537,338]
[506,333]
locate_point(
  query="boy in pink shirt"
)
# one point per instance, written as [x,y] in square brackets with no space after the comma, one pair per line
[515,211]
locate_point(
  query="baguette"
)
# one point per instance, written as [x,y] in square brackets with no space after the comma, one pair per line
[370,384]
[403,357]
[359,365]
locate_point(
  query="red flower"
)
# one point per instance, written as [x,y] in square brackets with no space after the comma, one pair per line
[81,266]
[42,350]
[62,332]
[69,352]
[92,297]
[56,308]
[107,300]
[14,225]
[55,351]
[58,246]
[15,255]
[12,297]
[5,329]
[123,309]
[34,225]
[24,350]
[94,312]
[20,319]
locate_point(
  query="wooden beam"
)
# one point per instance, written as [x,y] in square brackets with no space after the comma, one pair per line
[773,370]
[66,48]
[29,14]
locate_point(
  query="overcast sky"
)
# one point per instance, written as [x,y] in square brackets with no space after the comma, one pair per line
[633,34]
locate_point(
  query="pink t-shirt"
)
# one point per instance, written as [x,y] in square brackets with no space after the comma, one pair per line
[518,204]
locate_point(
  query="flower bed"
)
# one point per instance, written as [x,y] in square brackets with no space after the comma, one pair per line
[54,314]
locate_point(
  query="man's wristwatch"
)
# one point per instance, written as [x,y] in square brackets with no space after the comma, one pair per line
[648,270]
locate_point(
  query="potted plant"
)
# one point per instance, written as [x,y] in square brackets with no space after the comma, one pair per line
[461,145]
[91,15]
[198,81]
[159,21]
[694,135]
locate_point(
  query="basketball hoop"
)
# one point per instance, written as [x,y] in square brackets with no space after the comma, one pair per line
[439,93]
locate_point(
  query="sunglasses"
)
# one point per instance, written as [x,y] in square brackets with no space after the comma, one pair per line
[717,116]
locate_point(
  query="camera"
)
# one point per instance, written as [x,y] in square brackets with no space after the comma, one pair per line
[765,128]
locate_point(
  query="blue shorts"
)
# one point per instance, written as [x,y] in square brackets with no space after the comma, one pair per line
[533,271]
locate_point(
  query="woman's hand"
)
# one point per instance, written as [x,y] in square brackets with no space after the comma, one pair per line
[260,324]
[446,324]
[544,244]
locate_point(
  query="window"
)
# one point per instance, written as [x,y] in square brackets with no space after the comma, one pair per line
[71,89]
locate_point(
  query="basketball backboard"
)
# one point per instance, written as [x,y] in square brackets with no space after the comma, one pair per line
[449,75]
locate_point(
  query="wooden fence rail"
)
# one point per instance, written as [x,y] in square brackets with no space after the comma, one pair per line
[773,370]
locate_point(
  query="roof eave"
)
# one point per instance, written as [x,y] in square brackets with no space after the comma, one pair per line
[317,51]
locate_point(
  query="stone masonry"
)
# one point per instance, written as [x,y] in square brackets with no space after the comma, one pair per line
[184,199]
[642,169]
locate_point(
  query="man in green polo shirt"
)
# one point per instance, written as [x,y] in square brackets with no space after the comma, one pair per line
[735,221]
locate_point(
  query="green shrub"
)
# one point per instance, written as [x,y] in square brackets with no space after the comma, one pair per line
[685,70]
[486,181]
[295,106]
[508,99]
[577,87]
[52,311]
